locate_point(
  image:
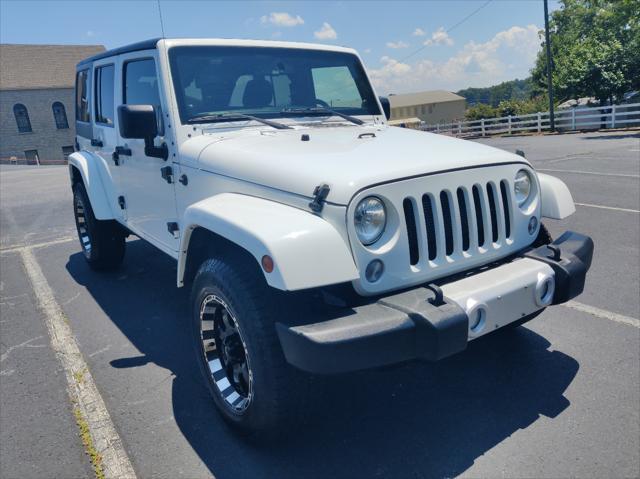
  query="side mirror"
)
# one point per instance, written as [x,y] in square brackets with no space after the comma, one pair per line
[138,121]
[386,106]
[141,122]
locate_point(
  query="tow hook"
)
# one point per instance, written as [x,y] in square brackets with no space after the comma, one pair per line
[438,299]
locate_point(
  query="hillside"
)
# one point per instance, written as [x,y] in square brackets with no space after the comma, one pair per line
[493,95]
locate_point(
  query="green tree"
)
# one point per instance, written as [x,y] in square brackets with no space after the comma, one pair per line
[596,50]
[493,95]
[510,107]
[479,111]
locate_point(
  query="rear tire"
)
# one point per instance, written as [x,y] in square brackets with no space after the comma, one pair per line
[237,347]
[102,241]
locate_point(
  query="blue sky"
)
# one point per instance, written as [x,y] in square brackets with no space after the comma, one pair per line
[499,42]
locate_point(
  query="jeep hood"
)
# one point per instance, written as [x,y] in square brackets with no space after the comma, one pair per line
[347,158]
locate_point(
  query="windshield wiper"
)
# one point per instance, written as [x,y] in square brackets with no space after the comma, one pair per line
[236,116]
[323,111]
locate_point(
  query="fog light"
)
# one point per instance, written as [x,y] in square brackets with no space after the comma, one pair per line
[545,289]
[374,270]
[477,319]
[533,225]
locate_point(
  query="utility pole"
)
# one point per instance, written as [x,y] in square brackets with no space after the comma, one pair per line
[552,123]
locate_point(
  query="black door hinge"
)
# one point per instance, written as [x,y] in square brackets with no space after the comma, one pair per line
[320,194]
[167,174]
[122,202]
[120,151]
[172,228]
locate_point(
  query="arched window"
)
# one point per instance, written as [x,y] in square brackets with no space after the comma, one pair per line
[22,118]
[60,115]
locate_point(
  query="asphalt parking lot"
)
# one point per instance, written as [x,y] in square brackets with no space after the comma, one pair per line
[559,397]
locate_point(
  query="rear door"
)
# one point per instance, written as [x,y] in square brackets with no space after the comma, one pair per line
[105,135]
[150,198]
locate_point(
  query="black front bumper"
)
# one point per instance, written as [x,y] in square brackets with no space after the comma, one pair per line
[415,324]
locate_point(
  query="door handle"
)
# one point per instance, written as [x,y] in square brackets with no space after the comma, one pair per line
[95,142]
[121,150]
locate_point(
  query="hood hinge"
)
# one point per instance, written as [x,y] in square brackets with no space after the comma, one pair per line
[320,194]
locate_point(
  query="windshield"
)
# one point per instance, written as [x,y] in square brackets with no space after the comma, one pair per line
[267,82]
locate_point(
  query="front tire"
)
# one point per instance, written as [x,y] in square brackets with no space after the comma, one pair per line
[237,348]
[102,241]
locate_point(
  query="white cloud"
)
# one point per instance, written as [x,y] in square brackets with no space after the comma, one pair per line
[419,32]
[398,44]
[439,37]
[282,19]
[326,32]
[509,54]
[90,33]
[367,50]
[391,70]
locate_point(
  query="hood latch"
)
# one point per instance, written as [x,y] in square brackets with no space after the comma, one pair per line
[320,194]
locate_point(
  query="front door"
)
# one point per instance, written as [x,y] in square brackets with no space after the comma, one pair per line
[150,198]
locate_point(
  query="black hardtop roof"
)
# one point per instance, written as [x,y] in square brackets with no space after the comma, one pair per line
[133,47]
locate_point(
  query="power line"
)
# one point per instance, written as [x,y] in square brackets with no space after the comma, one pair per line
[450,29]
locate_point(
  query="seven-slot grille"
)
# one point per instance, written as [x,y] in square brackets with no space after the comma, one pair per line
[457,222]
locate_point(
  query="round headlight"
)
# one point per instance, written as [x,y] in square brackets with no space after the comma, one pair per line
[522,187]
[370,218]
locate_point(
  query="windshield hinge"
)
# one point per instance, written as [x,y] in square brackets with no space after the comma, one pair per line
[320,194]
[173,228]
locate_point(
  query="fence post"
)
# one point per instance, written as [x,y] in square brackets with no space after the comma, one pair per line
[509,124]
[437,127]
[613,116]
[573,118]
[482,125]
[459,128]
[539,122]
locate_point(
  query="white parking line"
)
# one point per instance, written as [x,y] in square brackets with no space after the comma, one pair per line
[626,210]
[603,313]
[618,175]
[17,248]
[82,390]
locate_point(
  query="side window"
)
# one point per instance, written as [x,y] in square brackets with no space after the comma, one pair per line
[141,83]
[22,118]
[60,115]
[277,90]
[104,94]
[336,87]
[82,96]
[238,90]
[281,89]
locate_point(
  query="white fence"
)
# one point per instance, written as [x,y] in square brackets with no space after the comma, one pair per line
[595,118]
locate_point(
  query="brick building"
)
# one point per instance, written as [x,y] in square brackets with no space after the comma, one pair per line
[37,107]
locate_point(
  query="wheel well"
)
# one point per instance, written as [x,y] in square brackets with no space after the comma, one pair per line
[76,177]
[204,244]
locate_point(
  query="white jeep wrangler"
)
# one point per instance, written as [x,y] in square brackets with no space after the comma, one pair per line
[311,233]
